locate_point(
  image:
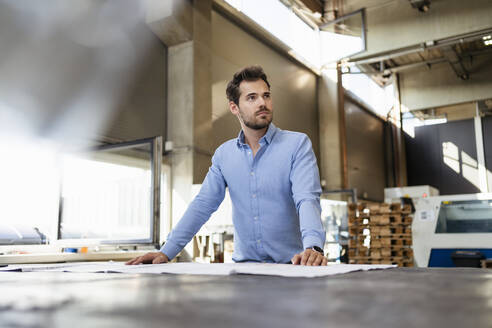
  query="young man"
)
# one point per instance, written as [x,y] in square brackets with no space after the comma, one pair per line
[273,182]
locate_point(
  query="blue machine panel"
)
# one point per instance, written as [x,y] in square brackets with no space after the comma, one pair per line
[442,257]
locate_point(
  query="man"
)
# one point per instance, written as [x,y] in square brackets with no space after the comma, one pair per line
[273,182]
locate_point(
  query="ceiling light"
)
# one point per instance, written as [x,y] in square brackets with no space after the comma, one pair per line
[488,43]
[487,37]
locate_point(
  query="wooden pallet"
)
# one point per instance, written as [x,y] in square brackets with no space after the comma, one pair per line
[394,232]
[377,243]
[353,243]
[487,264]
[388,252]
[386,228]
[381,220]
[379,208]
[361,209]
[388,241]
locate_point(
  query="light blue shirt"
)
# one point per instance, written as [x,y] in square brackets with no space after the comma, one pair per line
[275,198]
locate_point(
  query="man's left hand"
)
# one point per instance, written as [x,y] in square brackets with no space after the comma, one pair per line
[309,257]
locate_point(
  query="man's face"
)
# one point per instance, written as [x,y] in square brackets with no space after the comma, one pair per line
[255,105]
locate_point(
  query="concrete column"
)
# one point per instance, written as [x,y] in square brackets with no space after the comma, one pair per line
[330,155]
[482,170]
[185,27]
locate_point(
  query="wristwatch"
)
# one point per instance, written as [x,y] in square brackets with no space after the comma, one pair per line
[317,249]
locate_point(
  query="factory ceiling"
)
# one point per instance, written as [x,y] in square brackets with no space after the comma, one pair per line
[459,52]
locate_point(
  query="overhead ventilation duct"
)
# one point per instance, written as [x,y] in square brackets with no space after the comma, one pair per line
[421,5]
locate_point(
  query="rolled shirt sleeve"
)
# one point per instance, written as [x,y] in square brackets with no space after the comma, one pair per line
[306,191]
[199,211]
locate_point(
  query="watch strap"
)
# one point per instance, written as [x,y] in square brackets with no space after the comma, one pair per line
[318,249]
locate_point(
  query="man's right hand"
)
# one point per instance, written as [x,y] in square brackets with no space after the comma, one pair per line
[152,257]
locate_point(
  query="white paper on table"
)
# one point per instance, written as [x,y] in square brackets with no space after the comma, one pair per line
[289,270]
[89,267]
[215,269]
[173,268]
[37,266]
[221,269]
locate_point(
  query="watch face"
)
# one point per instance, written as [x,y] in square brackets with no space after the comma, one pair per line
[318,249]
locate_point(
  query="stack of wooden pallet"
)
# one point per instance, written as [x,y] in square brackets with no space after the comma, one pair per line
[380,234]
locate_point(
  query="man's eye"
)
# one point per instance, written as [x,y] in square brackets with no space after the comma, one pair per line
[251,98]
[267,96]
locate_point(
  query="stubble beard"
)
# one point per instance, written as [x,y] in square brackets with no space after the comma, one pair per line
[254,124]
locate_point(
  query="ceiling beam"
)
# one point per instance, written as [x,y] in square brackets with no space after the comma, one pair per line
[316,6]
[434,44]
[455,61]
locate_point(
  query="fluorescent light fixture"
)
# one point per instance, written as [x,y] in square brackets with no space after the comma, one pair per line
[487,37]
[488,42]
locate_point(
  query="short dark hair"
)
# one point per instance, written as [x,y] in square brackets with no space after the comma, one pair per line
[251,73]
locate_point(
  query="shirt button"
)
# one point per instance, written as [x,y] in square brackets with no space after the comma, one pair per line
[256,218]
[249,152]
[258,241]
[254,195]
[252,173]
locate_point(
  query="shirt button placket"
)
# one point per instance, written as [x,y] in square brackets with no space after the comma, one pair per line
[255,201]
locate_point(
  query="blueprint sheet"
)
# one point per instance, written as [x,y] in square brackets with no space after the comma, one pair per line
[220,269]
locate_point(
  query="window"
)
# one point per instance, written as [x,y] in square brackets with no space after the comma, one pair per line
[285,25]
[343,37]
[109,195]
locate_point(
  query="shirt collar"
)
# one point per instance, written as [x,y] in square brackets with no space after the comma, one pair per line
[267,137]
[270,133]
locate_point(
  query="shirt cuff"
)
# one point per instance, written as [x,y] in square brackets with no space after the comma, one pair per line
[310,241]
[170,250]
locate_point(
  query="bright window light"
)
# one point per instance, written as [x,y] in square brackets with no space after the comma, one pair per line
[106,195]
[410,122]
[335,46]
[434,121]
[378,98]
[285,25]
[319,47]
[28,189]
[104,200]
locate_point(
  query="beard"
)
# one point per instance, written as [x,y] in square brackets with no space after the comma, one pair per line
[254,122]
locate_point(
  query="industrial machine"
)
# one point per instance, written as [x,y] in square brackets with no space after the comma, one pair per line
[394,195]
[444,226]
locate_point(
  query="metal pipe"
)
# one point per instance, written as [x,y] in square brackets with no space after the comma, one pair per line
[342,127]
[410,66]
[156,187]
[467,37]
[344,17]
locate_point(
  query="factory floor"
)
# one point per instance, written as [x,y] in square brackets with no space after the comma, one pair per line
[399,297]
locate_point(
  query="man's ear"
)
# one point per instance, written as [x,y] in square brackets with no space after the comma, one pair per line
[233,108]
